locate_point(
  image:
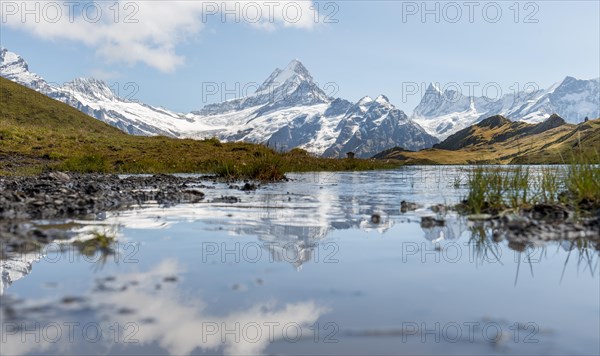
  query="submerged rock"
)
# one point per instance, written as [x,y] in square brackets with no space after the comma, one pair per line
[408,206]
[226,199]
[430,221]
[479,217]
[376,219]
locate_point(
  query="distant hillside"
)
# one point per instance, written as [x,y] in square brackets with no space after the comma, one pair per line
[496,129]
[498,140]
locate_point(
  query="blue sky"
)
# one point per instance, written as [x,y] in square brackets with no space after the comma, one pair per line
[371,48]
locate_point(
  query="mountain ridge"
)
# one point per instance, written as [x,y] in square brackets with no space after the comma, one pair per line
[288,105]
[444,113]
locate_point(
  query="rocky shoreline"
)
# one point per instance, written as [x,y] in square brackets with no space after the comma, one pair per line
[58,195]
[535,224]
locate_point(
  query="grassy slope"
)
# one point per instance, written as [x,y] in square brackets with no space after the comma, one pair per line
[38,133]
[557,145]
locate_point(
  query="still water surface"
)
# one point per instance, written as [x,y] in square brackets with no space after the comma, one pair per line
[325,263]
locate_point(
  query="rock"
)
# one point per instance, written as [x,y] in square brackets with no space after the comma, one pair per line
[376,218]
[439,208]
[479,217]
[407,206]
[248,187]
[547,211]
[226,199]
[59,176]
[428,222]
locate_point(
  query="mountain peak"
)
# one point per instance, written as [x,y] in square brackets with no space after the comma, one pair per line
[555,120]
[286,87]
[296,66]
[15,68]
[8,58]
[382,99]
[433,88]
[295,72]
[365,100]
[494,121]
[91,87]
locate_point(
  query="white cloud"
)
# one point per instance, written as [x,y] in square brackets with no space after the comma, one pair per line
[103,74]
[147,31]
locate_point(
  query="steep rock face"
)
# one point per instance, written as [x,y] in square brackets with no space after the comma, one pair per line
[288,110]
[371,126]
[443,114]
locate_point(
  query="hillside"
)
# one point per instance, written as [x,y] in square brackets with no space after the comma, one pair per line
[38,133]
[498,140]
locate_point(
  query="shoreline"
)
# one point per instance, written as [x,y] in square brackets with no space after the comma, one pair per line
[57,195]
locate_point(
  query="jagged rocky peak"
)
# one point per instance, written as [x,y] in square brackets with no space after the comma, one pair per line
[571,85]
[433,88]
[430,101]
[15,68]
[93,88]
[365,100]
[10,58]
[294,72]
[383,100]
[291,86]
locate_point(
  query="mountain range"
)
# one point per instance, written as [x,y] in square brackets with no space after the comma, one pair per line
[290,110]
[443,113]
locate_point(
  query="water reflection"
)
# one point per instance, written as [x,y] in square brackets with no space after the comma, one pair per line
[143,309]
[394,267]
[292,219]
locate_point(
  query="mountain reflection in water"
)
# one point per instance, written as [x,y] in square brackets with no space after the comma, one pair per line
[358,263]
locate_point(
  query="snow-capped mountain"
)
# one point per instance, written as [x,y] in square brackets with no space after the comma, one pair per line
[443,114]
[291,86]
[375,125]
[95,98]
[14,68]
[288,110]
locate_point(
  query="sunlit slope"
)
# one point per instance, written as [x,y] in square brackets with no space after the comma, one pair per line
[499,140]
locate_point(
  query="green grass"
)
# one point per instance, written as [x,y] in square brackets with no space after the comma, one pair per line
[583,183]
[264,167]
[493,189]
[39,134]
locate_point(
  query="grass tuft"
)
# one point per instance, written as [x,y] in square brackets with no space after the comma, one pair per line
[493,189]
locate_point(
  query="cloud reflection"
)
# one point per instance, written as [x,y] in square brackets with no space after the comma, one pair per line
[163,317]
